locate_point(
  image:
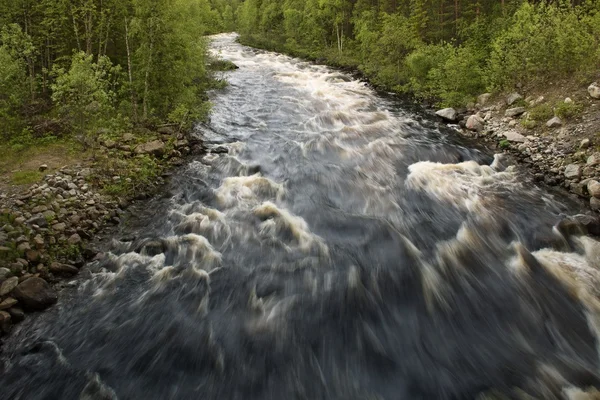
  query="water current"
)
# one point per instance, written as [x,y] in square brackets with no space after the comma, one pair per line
[345,246]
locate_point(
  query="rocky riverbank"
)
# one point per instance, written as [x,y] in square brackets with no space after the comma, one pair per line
[46,230]
[558,138]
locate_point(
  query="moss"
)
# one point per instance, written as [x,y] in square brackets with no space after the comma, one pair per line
[528,123]
[504,144]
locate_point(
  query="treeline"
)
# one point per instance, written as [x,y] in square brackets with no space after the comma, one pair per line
[83,66]
[444,50]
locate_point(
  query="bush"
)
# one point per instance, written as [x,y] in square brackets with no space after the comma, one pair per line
[13,91]
[568,110]
[541,112]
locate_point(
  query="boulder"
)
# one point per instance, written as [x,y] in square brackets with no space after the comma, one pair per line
[448,114]
[514,136]
[4,274]
[8,303]
[585,143]
[594,90]
[595,204]
[513,98]
[593,160]
[475,123]
[63,269]
[483,99]
[8,286]
[74,239]
[128,137]
[593,188]
[554,123]
[35,294]
[514,112]
[166,130]
[573,171]
[156,147]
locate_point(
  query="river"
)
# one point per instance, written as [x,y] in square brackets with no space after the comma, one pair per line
[345,246]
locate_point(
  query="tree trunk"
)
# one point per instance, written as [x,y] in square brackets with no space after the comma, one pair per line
[129,69]
[147,78]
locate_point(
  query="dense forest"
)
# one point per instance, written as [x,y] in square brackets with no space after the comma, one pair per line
[448,51]
[79,67]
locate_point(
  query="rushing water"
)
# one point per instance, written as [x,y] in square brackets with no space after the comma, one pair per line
[343,248]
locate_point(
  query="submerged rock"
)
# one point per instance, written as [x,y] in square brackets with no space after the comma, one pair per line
[35,294]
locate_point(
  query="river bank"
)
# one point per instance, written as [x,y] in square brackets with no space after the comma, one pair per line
[48,229]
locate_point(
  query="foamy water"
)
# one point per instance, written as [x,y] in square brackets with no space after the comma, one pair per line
[345,247]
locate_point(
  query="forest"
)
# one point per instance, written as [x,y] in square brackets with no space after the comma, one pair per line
[81,67]
[74,68]
[443,51]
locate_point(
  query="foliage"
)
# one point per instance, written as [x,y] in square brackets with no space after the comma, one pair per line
[568,110]
[440,50]
[541,112]
[26,177]
[84,94]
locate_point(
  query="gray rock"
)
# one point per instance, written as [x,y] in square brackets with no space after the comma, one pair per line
[8,303]
[128,137]
[23,247]
[74,239]
[475,123]
[5,322]
[38,220]
[8,286]
[554,123]
[110,144]
[594,159]
[595,204]
[63,269]
[513,98]
[156,147]
[573,171]
[568,100]
[514,112]
[33,256]
[166,130]
[61,226]
[594,90]
[448,114]
[483,99]
[43,167]
[514,136]
[4,274]
[585,143]
[35,294]
[593,188]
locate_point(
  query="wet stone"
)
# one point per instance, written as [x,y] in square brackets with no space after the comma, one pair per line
[35,294]
[8,303]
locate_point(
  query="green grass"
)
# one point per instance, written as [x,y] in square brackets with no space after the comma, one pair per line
[504,144]
[26,177]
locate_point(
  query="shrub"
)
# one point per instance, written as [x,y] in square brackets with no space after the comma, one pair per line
[541,112]
[568,110]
